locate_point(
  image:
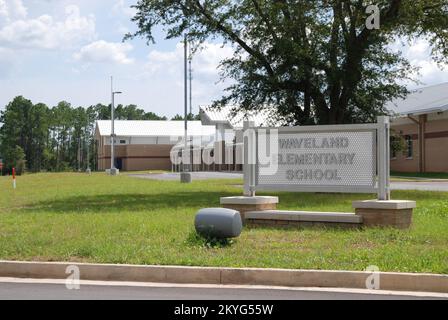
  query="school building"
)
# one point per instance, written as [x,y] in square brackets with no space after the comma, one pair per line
[144,145]
[150,145]
[422,121]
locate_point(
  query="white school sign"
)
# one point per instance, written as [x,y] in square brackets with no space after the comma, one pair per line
[333,158]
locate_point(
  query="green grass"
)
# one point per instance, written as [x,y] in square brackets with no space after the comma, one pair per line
[427,175]
[97,218]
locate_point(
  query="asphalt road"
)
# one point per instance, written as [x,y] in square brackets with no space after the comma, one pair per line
[395,185]
[169,176]
[422,186]
[57,291]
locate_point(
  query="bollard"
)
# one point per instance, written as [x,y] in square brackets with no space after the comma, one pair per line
[185,177]
[218,223]
[14,178]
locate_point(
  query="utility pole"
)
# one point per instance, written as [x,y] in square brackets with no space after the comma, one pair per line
[79,153]
[185,95]
[112,132]
[87,134]
[191,84]
[113,171]
[185,176]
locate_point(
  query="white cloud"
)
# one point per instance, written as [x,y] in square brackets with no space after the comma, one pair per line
[3,9]
[205,61]
[106,52]
[208,59]
[418,53]
[121,8]
[166,61]
[122,29]
[168,67]
[431,73]
[12,9]
[44,32]
[7,62]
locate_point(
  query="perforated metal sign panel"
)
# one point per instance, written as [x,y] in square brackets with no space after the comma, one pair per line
[320,161]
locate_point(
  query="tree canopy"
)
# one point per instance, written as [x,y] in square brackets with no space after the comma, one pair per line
[190,117]
[317,61]
[58,138]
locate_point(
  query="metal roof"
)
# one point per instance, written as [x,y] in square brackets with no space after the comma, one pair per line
[214,116]
[422,101]
[155,128]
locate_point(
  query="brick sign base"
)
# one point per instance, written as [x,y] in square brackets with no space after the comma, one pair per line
[261,211]
[248,204]
[391,213]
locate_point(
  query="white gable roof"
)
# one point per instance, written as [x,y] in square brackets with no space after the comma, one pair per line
[156,128]
[214,116]
[422,101]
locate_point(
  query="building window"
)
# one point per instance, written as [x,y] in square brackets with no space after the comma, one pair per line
[122,141]
[393,149]
[409,147]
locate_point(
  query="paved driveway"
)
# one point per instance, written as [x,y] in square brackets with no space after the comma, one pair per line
[195,175]
[395,185]
[421,185]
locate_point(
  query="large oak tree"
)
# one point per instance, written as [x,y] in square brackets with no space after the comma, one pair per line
[316,61]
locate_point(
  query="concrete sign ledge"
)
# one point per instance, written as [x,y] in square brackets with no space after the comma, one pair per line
[227,276]
[336,217]
[385,204]
[249,200]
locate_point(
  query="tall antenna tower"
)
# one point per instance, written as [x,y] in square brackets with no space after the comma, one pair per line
[190,71]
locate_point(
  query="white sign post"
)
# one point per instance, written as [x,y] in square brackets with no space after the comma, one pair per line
[249,159]
[383,151]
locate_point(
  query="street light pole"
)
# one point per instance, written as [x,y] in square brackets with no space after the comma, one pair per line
[185,176]
[113,170]
[112,133]
[186,96]
[87,134]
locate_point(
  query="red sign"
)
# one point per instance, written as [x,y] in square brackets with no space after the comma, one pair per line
[14,173]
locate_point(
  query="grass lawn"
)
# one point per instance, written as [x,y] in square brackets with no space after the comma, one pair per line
[97,218]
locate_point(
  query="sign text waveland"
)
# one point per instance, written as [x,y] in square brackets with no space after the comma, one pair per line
[313,143]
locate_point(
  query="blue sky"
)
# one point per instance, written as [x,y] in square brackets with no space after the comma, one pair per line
[53,50]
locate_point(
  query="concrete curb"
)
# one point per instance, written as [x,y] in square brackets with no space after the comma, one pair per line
[417,282]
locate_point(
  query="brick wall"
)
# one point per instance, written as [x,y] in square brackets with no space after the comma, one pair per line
[436,143]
